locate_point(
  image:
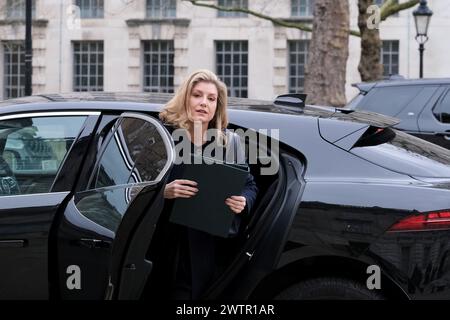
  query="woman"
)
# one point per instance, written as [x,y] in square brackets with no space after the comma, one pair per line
[200,104]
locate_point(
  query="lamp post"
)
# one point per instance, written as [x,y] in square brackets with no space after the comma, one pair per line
[28,49]
[422,16]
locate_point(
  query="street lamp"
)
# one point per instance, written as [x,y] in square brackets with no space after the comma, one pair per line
[422,17]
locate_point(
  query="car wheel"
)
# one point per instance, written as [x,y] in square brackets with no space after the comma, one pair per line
[328,289]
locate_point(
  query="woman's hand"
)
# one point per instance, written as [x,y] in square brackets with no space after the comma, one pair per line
[180,189]
[236,203]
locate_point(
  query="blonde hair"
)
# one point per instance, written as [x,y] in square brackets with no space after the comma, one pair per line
[176,110]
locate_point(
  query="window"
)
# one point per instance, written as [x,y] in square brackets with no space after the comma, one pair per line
[302,8]
[161,8]
[442,111]
[90,9]
[88,66]
[15,9]
[136,153]
[390,57]
[298,58]
[232,4]
[407,154]
[34,149]
[389,100]
[232,66]
[158,66]
[14,69]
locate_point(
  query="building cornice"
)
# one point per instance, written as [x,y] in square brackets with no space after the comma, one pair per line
[42,23]
[152,21]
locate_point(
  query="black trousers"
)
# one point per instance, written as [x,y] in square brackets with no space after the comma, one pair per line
[196,264]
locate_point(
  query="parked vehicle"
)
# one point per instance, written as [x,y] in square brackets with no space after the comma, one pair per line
[82,177]
[422,105]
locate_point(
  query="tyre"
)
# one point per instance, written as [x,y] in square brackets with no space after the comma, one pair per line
[328,289]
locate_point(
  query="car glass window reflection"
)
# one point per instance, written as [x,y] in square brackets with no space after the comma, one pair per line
[106,207]
[136,153]
[32,150]
[444,114]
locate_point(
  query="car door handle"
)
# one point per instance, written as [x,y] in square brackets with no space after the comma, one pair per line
[13,243]
[94,243]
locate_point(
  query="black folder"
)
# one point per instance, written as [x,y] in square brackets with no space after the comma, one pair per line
[207,211]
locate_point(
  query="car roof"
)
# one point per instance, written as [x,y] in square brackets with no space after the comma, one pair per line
[367,86]
[115,101]
[154,102]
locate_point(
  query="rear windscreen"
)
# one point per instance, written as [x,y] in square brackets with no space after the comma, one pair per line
[401,152]
[388,100]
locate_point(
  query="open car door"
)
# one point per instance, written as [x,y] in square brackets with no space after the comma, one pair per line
[98,255]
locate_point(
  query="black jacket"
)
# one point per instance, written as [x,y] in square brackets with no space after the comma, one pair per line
[192,259]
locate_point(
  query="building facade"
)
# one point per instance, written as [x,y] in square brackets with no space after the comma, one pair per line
[151,45]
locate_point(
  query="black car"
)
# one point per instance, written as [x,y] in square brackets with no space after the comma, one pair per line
[423,106]
[354,209]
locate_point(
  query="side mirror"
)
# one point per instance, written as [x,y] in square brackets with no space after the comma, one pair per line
[291,100]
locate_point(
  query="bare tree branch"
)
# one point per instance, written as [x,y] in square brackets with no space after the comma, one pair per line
[390,7]
[276,21]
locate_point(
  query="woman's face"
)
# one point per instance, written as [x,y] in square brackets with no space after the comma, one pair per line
[203,102]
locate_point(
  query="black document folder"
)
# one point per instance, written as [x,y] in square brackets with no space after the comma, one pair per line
[207,211]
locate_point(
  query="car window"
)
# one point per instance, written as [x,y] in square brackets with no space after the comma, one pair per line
[32,150]
[407,154]
[389,100]
[442,111]
[135,153]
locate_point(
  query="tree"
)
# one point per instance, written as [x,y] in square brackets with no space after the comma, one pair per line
[326,71]
[369,66]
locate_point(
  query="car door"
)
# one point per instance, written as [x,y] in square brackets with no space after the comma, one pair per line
[35,147]
[434,120]
[124,193]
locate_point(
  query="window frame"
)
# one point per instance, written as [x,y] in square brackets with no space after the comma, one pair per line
[8,87]
[89,87]
[97,6]
[169,76]
[12,12]
[225,76]
[437,110]
[46,115]
[160,13]
[391,53]
[309,13]
[168,143]
[297,53]
[232,14]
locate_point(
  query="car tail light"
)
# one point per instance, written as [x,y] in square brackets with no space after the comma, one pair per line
[423,222]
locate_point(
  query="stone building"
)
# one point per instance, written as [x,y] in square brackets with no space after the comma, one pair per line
[151,45]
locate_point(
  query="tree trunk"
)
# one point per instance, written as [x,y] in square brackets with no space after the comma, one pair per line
[370,67]
[327,63]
